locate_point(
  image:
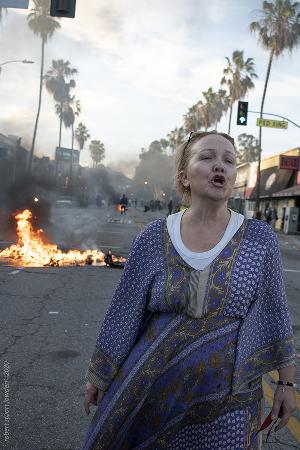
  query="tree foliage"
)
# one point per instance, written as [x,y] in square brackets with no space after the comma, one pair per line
[82,135]
[97,151]
[42,25]
[248,148]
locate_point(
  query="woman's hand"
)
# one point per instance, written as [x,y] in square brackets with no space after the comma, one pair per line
[284,404]
[93,395]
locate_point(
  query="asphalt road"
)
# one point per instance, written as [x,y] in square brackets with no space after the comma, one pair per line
[49,320]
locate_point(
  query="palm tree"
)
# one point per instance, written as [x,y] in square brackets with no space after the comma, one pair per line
[222,103]
[238,77]
[97,151]
[216,104]
[71,111]
[175,138]
[278,30]
[191,120]
[67,113]
[55,80]
[81,135]
[43,26]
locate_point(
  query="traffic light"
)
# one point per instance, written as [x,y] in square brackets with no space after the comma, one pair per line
[62,8]
[242,113]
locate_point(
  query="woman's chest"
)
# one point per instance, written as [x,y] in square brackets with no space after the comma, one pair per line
[227,287]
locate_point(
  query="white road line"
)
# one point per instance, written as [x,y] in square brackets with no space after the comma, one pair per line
[14,272]
[291,270]
[53,312]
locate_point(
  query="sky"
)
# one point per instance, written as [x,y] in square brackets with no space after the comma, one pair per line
[141,65]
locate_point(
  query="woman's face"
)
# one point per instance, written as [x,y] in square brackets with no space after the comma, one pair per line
[211,171]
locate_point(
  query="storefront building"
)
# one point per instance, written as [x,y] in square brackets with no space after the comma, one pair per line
[279,188]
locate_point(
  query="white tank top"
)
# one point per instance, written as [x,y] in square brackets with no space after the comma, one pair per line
[201,260]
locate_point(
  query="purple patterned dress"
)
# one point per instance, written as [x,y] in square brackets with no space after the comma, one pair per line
[181,353]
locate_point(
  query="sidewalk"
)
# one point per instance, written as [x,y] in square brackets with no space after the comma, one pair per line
[289,241]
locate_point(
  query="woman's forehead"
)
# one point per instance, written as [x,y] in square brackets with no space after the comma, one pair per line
[213,142]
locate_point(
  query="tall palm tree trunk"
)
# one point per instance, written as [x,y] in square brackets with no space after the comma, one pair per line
[30,159]
[71,167]
[59,142]
[257,201]
[60,124]
[230,115]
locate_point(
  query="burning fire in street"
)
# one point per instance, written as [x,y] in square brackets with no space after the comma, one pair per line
[32,249]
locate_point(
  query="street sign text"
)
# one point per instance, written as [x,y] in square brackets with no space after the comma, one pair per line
[272,123]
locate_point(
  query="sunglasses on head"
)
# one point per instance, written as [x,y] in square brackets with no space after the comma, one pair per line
[203,133]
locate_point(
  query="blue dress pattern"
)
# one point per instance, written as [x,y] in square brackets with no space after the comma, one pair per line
[173,381]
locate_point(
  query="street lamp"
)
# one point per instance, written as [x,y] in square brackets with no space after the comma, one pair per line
[23,61]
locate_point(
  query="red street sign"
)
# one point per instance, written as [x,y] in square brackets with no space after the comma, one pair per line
[289,162]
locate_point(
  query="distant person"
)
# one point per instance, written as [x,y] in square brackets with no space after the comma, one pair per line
[274,218]
[135,202]
[257,215]
[199,316]
[170,207]
[123,203]
[268,215]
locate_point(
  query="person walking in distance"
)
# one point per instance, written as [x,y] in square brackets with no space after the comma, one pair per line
[123,203]
[199,315]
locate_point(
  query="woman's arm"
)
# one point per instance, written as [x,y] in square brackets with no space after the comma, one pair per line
[287,373]
[284,403]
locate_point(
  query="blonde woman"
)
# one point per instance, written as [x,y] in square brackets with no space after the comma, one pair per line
[199,315]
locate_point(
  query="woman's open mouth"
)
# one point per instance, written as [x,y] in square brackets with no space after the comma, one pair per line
[218,181]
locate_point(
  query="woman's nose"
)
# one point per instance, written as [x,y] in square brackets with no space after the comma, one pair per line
[218,167]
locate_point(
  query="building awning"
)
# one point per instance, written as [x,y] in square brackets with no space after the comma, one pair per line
[272,180]
[289,192]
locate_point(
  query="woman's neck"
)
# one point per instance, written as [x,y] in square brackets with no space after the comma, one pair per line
[200,214]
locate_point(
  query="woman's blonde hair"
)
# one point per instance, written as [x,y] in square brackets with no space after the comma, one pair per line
[183,156]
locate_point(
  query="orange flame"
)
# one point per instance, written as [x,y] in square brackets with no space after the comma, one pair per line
[32,250]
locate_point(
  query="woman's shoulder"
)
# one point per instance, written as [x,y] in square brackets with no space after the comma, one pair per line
[261,231]
[151,233]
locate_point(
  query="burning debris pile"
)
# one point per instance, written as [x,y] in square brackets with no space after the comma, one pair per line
[32,249]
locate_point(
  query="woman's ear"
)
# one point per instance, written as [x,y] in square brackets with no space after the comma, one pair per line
[184,179]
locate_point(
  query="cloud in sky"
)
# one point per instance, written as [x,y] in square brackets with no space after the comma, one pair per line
[141,66]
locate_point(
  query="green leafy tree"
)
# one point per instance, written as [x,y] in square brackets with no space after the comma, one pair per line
[248,149]
[42,25]
[56,84]
[237,76]
[278,30]
[97,151]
